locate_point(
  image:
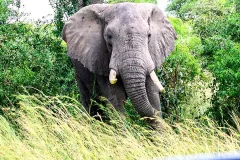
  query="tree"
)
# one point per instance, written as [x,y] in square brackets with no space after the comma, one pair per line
[218,24]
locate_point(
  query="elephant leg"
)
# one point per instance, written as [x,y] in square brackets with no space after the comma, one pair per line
[153,95]
[85,81]
[114,93]
[84,93]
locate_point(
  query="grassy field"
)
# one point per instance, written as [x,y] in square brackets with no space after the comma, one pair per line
[43,127]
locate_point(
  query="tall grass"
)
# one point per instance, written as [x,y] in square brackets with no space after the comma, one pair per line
[44,127]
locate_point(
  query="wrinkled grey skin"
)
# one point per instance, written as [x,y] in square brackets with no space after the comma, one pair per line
[133,39]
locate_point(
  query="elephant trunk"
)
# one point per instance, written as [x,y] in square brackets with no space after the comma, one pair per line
[134,80]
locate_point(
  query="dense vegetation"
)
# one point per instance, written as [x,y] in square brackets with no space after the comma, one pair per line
[41,115]
[32,56]
[218,25]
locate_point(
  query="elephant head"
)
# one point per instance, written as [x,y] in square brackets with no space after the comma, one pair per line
[126,40]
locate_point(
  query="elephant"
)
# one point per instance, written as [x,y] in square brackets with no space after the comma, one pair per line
[116,49]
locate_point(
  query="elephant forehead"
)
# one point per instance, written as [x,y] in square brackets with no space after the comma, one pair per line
[125,7]
[128,12]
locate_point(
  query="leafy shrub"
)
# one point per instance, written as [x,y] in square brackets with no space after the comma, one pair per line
[226,69]
[215,43]
[218,25]
[180,69]
[33,56]
[4,11]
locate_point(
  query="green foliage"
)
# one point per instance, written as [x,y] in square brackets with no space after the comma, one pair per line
[4,11]
[197,9]
[220,39]
[176,7]
[33,56]
[63,10]
[180,69]
[227,72]
[218,24]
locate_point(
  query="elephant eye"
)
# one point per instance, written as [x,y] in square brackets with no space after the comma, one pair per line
[109,36]
[149,35]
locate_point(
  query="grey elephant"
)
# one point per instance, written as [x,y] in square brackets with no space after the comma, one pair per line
[115,50]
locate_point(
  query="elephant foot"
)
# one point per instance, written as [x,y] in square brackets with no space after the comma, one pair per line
[156,122]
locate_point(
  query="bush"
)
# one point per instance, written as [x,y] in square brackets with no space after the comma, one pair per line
[218,25]
[33,56]
[180,70]
[226,69]
[4,11]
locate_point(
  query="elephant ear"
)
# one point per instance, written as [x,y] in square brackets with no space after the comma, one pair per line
[83,33]
[162,36]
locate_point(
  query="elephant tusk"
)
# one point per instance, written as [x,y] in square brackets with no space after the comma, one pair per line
[156,81]
[112,76]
